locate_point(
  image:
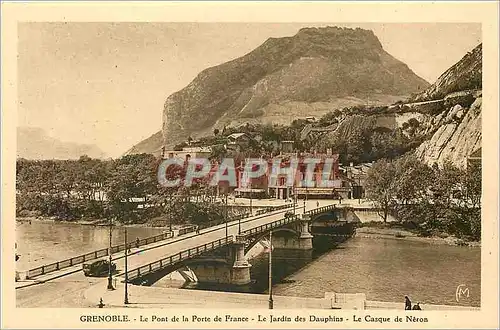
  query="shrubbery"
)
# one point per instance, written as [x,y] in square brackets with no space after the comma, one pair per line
[433,200]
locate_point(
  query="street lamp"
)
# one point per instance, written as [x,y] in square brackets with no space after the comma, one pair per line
[225,213]
[126,268]
[251,210]
[110,275]
[305,199]
[239,225]
[271,303]
[359,189]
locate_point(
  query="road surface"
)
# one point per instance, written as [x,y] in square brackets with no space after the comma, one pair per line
[67,291]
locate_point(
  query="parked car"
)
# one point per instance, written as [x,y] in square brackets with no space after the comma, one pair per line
[98,268]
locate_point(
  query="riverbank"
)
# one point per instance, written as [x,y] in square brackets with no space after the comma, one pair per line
[93,222]
[381,231]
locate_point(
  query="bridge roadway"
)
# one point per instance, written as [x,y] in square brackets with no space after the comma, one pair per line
[204,237]
[162,248]
[65,288]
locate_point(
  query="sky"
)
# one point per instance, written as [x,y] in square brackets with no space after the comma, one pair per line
[106,83]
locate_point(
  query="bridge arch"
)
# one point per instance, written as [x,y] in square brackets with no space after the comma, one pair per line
[198,266]
[256,239]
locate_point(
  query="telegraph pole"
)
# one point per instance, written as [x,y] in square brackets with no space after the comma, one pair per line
[110,275]
[126,268]
[271,303]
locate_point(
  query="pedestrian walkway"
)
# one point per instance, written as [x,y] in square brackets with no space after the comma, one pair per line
[157,297]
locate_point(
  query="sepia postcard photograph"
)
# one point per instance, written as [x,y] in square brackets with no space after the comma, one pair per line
[227,165]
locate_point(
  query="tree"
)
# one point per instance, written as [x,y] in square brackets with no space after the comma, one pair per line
[380,186]
[132,176]
[218,152]
[330,118]
[383,145]
[216,131]
[413,179]
[413,122]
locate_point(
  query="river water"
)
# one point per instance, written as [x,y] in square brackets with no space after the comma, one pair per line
[389,269]
[41,243]
[383,269]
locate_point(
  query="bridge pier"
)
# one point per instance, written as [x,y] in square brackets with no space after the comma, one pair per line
[240,273]
[305,237]
[298,238]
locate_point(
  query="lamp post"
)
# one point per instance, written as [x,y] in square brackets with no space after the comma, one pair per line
[359,189]
[110,275]
[225,213]
[126,268]
[271,303]
[251,210]
[305,199]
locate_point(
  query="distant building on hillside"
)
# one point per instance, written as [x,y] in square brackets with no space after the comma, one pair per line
[238,141]
[239,138]
[188,152]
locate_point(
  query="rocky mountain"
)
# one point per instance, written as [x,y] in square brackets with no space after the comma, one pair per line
[151,145]
[458,135]
[309,74]
[466,74]
[34,143]
[457,128]
[441,123]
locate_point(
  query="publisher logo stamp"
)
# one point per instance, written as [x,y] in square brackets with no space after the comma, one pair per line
[462,292]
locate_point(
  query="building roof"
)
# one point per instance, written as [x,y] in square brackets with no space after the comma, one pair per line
[236,135]
[197,149]
[249,190]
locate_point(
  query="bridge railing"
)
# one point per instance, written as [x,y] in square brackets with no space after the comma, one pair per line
[269,209]
[58,265]
[230,219]
[178,257]
[268,226]
[321,209]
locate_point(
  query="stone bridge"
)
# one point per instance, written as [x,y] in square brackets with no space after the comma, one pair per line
[224,259]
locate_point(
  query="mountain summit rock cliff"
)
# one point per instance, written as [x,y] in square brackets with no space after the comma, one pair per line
[457,130]
[308,74]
